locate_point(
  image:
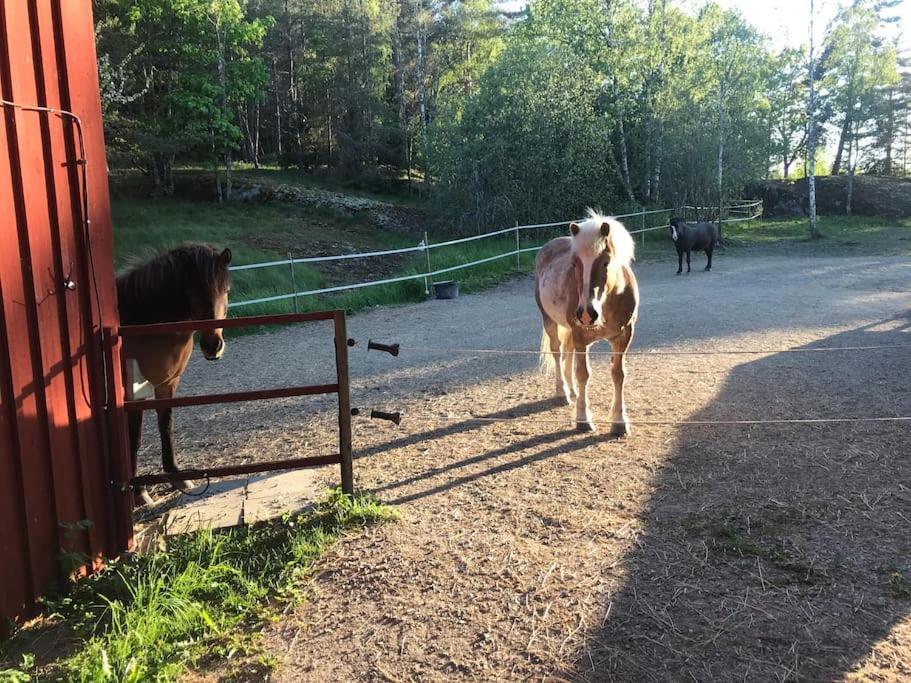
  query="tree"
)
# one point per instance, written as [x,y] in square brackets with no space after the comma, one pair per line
[189,61]
[530,143]
[860,69]
[811,129]
[787,107]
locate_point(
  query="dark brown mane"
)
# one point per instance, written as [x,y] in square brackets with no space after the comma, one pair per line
[160,288]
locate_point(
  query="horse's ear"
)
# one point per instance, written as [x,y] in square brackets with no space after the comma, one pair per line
[605,229]
[574,229]
[225,256]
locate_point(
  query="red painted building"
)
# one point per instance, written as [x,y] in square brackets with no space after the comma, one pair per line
[62,465]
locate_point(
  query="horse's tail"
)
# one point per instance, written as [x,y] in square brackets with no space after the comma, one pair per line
[546,358]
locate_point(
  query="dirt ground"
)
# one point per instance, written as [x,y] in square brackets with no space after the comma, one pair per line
[528,551]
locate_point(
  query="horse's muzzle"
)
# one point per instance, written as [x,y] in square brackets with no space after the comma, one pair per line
[587,316]
[217,353]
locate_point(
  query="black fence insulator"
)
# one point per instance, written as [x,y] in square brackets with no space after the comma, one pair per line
[380,415]
[392,349]
[351,342]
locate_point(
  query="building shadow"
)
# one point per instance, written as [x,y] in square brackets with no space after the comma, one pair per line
[773,552]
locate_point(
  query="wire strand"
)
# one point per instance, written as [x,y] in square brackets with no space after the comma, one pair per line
[455,419]
[82,161]
[717,352]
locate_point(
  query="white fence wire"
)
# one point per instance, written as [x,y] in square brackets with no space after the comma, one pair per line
[739,210]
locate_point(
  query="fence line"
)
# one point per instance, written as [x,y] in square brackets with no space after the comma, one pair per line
[426,247]
[449,350]
[458,419]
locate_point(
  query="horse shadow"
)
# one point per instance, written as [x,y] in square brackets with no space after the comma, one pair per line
[775,552]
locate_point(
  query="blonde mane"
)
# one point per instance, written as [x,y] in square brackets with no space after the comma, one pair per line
[619,243]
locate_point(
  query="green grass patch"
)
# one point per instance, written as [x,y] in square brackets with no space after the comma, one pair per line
[846,234]
[764,537]
[261,232]
[154,616]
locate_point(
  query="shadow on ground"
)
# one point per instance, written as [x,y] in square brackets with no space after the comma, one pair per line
[775,552]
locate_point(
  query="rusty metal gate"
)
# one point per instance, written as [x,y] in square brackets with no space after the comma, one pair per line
[341,387]
[58,512]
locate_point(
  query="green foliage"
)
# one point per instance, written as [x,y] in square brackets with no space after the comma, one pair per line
[529,146]
[861,74]
[20,674]
[495,118]
[182,68]
[150,617]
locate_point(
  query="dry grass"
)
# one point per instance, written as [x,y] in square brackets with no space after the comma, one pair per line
[528,551]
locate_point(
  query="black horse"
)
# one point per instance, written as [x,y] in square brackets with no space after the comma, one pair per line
[693,237]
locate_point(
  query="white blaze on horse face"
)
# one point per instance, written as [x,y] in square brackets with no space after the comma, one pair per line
[674,232]
[588,244]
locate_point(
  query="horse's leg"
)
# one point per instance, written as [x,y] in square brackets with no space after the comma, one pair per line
[619,419]
[569,359]
[561,391]
[584,421]
[688,261]
[679,262]
[708,252]
[166,430]
[134,427]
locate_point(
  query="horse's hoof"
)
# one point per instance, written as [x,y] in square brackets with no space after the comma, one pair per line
[141,498]
[186,485]
[585,427]
[679,272]
[619,429]
[707,269]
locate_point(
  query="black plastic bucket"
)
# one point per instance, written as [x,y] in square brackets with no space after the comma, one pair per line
[447,289]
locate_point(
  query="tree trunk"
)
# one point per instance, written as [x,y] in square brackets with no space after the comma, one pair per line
[786,159]
[218,191]
[624,180]
[398,65]
[422,99]
[223,84]
[328,127]
[256,137]
[278,109]
[890,134]
[852,167]
[842,138]
[811,133]
[721,141]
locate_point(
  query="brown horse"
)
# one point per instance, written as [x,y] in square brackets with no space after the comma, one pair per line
[587,292]
[187,283]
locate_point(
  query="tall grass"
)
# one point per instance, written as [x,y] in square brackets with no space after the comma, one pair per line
[152,616]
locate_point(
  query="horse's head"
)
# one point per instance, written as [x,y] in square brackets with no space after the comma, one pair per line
[601,247]
[209,285]
[676,228]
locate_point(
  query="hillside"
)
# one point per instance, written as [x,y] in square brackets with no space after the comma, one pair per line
[873,196]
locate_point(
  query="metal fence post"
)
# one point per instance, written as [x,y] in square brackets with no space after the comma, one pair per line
[344,403]
[427,278]
[518,256]
[293,280]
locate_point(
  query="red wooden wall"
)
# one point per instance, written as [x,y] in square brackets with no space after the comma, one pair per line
[60,464]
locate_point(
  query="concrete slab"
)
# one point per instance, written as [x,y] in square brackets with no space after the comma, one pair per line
[272,495]
[230,502]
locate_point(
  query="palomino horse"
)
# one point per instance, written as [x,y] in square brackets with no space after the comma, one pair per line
[187,283]
[587,292]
